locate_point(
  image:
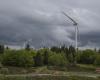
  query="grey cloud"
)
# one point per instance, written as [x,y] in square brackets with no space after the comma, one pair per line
[43,22]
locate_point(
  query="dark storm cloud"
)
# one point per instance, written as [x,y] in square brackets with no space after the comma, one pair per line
[43,23]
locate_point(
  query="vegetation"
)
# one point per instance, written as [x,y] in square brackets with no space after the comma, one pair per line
[38,59]
[46,78]
[87,57]
[1,49]
[56,58]
[17,58]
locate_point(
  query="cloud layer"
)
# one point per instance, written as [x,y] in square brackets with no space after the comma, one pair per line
[42,22]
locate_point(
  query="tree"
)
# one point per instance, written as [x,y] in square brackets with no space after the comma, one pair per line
[66,52]
[17,58]
[38,59]
[46,56]
[27,47]
[87,57]
[72,54]
[63,48]
[55,49]
[58,60]
[7,48]
[1,48]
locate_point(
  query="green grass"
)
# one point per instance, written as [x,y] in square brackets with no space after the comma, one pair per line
[82,68]
[49,69]
[71,72]
[48,78]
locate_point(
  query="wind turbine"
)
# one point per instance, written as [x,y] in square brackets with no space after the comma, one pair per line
[27,42]
[76,30]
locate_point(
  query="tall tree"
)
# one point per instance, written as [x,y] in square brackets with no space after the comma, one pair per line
[66,52]
[38,59]
[27,47]
[72,54]
[1,48]
[46,56]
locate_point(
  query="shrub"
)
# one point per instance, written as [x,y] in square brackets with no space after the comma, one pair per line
[57,60]
[86,57]
[17,58]
[38,59]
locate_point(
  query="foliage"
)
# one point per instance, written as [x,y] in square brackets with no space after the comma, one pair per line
[58,60]
[72,55]
[55,49]
[27,46]
[38,59]
[87,57]
[69,52]
[17,58]
[1,49]
[45,58]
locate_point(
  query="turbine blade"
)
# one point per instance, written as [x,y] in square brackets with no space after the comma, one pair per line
[74,22]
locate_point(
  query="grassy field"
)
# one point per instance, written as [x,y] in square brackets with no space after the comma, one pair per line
[48,69]
[47,78]
[78,72]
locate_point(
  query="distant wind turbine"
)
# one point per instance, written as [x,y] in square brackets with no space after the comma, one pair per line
[76,30]
[27,42]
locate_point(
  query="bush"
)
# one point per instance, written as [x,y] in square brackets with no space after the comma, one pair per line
[57,60]
[86,57]
[17,58]
[38,59]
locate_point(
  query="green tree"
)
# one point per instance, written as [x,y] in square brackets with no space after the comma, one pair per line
[27,47]
[57,60]
[17,58]
[67,53]
[46,56]
[2,49]
[72,55]
[55,49]
[87,57]
[38,59]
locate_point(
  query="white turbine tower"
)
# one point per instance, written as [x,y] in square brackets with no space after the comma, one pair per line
[76,30]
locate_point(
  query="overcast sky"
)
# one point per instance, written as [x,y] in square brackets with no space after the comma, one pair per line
[42,22]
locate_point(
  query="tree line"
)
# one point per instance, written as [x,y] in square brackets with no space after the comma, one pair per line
[55,56]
